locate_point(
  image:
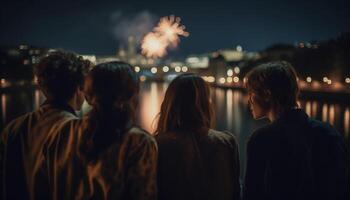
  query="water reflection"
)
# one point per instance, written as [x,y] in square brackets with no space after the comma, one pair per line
[150,99]
[314,109]
[229,109]
[308,108]
[3,108]
[347,122]
[325,112]
[237,105]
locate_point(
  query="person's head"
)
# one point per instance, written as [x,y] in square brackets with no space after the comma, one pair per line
[111,89]
[272,88]
[60,76]
[186,105]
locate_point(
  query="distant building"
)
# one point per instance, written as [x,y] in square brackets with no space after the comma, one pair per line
[217,67]
[198,61]
[16,62]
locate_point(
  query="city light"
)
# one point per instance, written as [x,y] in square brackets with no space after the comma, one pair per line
[165,69]
[184,69]
[325,79]
[222,80]
[315,84]
[235,79]
[211,79]
[35,80]
[154,70]
[177,69]
[137,69]
[347,80]
[142,78]
[26,62]
[237,70]
[230,72]
[308,79]
[239,48]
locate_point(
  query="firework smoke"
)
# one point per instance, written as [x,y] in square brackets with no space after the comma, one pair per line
[136,25]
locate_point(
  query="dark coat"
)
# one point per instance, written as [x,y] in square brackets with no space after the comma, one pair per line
[198,166]
[297,158]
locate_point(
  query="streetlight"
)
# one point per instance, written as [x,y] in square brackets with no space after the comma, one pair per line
[177,69]
[308,79]
[154,70]
[165,69]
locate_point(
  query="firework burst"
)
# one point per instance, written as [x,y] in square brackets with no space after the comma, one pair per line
[153,45]
[171,29]
[166,34]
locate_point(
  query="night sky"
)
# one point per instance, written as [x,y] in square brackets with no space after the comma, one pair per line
[100,28]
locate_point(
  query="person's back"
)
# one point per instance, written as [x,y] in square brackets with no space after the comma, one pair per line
[125,169]
[22,177]
[195,162]
[294,157]
[198,166]
[19,140]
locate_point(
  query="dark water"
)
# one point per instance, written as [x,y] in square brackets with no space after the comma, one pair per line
[232,113]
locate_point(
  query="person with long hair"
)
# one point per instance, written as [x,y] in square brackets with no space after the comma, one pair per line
[293,157]
[104,155]
[195,161]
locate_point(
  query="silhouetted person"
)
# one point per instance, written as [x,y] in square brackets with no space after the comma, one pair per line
[195,162]
[293,157]
[60,77]
[103,155]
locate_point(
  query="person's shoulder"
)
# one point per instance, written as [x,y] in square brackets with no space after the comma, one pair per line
[264,135]
[222,136]
[138,133]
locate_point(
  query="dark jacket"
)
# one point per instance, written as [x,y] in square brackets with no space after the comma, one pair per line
[124,169]
[297,158]
[198,166]
[21,151]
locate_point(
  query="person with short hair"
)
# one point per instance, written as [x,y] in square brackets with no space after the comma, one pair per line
[294,156]
[195,162]
[60,78]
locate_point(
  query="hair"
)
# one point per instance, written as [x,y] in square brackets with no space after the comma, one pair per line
[113,90]
[60,73]
[275,83]
[186,105]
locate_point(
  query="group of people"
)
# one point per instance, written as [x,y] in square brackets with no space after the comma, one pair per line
[51,153]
